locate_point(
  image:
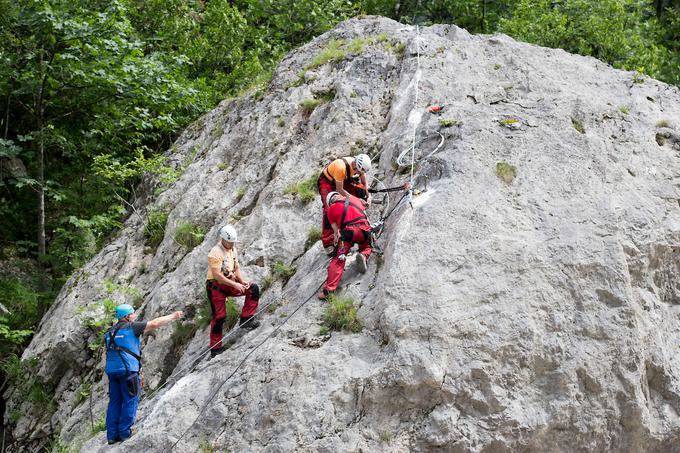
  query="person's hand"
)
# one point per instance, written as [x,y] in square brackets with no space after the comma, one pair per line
[336,237]
[239,287]
[177,315]
[246,284]
[368,201]
[407,185]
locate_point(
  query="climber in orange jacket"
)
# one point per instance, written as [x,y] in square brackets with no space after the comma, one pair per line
[347,218]
[339,176]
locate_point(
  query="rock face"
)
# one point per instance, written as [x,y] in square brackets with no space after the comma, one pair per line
[537,312]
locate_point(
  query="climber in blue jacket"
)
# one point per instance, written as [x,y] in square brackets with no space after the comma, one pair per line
[123,364]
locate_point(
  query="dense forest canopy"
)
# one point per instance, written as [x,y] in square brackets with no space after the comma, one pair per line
[92,92]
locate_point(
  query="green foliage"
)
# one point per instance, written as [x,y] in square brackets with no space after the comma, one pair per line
[333,52]
[497,66]
[239,194]
[24,379]
[357,45]
[624,109]
[578,125]
[324,330]
[313,236]
[386,437]
[305,190]
[663,123]
[26,301]
[154,228]
[618,32]
[233,314]
[99,426]
[204,315]
[309,104]
[340,314]
[205,446]
[98,317]
[183,333]
[282,271]
[189,235]
[506,172]
[448,122]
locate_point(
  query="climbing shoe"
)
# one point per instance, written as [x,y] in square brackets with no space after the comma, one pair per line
[362,265]
[330,250]
[216,352]
[248,323]
[113,441]
[323,295]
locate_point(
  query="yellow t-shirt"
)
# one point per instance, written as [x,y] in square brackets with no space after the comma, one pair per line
[225,259]
[337,170]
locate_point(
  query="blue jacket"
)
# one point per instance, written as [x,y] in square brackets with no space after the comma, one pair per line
[126,338]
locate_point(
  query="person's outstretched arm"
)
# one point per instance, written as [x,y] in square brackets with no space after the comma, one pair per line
[162,320]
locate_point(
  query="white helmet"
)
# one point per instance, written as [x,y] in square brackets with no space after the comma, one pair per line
[228,233]
[363,163]
[330,196]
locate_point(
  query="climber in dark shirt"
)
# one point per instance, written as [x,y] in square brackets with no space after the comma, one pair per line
[123,364]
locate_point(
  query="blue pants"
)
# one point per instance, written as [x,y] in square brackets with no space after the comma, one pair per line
[123,399]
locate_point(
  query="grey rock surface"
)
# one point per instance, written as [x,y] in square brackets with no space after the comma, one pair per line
[540,314]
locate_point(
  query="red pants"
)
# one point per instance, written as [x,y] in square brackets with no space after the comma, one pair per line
[351,235]
[325,188]
[217,294]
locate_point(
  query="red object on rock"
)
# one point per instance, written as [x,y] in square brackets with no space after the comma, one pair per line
[434,108]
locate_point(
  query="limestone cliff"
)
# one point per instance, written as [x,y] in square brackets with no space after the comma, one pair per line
[538,312]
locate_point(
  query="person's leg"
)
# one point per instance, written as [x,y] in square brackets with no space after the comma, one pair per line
[363,240]
[336,268]
[129,406]
[114,408]
[252,299]
[326,231]
[219,314]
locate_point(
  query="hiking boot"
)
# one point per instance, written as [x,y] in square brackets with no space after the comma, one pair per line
[215,352]
[248,323]
[362,265]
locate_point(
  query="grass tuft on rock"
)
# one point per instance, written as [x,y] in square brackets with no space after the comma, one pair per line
[332,53]
[189,235]
[506,172]
[305,190]
[154,228]
[313,235]
[578,125]
[341,314]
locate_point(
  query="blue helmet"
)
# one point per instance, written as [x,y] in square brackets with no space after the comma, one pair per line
[124,310]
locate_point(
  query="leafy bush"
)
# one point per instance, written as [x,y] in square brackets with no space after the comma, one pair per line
[25,381]
[506,172]
[305,190]
[189,235]
[313,235]
[340,314]
[154,229]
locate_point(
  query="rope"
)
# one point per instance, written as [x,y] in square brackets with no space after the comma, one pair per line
[214,392]
[199,356]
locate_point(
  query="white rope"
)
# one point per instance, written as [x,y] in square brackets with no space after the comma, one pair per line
[415,107]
